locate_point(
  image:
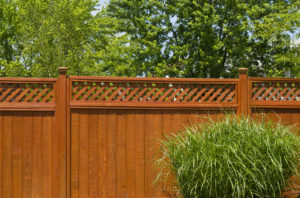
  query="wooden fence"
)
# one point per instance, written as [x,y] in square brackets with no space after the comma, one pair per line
[92,137]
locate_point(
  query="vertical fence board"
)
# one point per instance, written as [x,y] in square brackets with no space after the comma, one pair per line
[93,155]
[149,154]
[157,133]
[27,154]
[121,153]
[17,155]
[46,155]
[140,154]
[102,153]
[75,130]
[111,154]
[130,153]
[1,153]
[7,155]
[83,156]
[37,156]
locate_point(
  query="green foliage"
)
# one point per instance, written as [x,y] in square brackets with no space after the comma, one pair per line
[208,38]
[232,158]
[39,36]
[176,38]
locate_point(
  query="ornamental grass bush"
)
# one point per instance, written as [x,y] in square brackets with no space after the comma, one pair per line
[231,158]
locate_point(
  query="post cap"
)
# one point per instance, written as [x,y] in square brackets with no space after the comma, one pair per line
[243,70]
[62,70]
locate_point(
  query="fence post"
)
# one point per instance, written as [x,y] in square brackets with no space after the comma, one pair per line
[243,100]
[60,140]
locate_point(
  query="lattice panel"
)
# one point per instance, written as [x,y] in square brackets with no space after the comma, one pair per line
[27,92]
[153,92]
[275,91]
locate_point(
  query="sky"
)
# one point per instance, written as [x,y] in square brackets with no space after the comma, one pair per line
[101,2]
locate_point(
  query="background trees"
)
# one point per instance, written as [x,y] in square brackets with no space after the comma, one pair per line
[178,38]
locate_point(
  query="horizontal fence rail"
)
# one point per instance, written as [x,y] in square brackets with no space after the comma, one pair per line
[27,93]
[147,93]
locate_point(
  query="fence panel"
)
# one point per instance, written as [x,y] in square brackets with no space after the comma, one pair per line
[112,151]
[80,137]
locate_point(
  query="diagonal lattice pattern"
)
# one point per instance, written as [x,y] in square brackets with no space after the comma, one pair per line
[275,91]
[27,92]
[152,92]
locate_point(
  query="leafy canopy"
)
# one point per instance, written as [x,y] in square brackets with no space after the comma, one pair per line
[176,38]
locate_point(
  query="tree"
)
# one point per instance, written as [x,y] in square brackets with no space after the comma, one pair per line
[200,38]
[46,34]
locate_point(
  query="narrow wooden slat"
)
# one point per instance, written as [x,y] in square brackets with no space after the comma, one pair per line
[131,94]
[122,94]
[157,94]
[102,152]
[165,95]
[115,92]
[281,93]
[256,95]
[37,155]
[27,154]
[13,94]
[137,97]
[221,97]
[6,92]
[7,155]
[1,150]
[46,98]
[149,191]
[145,98]
[131,153]
[83,155]
[140,154]
[295,95]
[274,93]
[175,119]
[88,93]
[121,153]
[289,94]
[79,93]
[106,93]
[47,154]
[94,96]
[18,98]
[31,95]
[17,155]
[229,96]
[196,97]
[190,94]
[111,155]
[39,96]
[75,126]
[182,94]
[93,153]
[157,136]
[215,95]
[174,94]
[154,80]
[207,94]
[166,130]
[263,97]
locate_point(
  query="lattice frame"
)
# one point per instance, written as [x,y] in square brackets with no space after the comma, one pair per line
[153,92]
[275,91]
[27,92]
